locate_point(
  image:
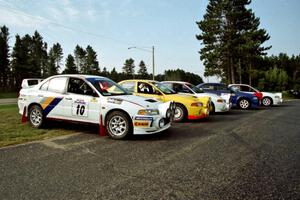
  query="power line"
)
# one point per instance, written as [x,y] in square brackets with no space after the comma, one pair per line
[19,12]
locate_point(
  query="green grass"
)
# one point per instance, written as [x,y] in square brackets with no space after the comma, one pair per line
[12,131]
[5,95]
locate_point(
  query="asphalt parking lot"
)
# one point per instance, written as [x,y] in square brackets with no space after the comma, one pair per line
[253,154]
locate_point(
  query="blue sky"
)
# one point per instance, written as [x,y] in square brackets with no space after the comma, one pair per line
[111,26]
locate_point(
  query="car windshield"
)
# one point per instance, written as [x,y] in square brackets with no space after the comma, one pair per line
[107,87]
[163,88]
[195,89]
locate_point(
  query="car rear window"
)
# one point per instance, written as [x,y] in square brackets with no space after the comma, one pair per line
[33,82]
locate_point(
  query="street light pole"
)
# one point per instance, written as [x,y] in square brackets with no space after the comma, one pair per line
[153,65]
[148,50]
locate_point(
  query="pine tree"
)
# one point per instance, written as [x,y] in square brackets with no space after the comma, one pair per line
[54,59]
[38,54]
[114,75]
[210,37]
[80,59]
[231,38]
[104,72]
[4,57]
[70,65]
[143,73]
[128,67]
[92,64]
[20,60]
[29,57]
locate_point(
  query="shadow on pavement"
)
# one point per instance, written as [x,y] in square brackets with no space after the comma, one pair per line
[86,128]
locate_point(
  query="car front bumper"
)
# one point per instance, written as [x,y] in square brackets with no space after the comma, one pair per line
[198,113]
[144,125]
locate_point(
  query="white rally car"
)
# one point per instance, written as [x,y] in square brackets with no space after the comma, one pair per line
[219,103]
[97,100]
[268,98]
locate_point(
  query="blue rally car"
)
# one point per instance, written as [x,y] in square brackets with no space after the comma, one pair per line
[239,99]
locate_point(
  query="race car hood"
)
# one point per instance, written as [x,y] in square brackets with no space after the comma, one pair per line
[205,99]
[142,102]
[181,97]
[136,100]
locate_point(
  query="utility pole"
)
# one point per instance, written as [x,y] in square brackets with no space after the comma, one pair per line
[153,65]
[148,50]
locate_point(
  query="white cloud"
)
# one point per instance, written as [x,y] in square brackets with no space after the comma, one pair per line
[55,13]
[71,12]
[64,10]
[20,19]
[65,2]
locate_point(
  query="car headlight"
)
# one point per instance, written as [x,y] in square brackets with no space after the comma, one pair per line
[197,104]
[221,101]
[161,123]
[168,113]
[148,112]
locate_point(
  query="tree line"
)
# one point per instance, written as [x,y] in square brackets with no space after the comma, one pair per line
[30,57]
[233,48]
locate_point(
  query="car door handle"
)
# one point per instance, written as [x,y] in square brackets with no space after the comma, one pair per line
[68,98]
[40,95]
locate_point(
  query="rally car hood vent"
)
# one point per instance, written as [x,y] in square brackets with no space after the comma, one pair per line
[151,100]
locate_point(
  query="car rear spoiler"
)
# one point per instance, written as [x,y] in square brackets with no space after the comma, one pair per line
[30,82]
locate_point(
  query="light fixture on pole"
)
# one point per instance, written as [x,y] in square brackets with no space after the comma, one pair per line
[148,50]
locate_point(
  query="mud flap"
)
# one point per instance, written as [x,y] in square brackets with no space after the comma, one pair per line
[102,129]
[24,118]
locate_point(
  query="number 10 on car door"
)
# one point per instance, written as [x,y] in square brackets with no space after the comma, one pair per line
[80,108]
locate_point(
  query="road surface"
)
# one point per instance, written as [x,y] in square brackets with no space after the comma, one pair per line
[252,154]
[8,101]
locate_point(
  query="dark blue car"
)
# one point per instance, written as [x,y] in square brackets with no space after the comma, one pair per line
[239,99]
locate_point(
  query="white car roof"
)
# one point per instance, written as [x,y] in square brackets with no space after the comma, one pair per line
[179,82]
[239,84]
[79,76]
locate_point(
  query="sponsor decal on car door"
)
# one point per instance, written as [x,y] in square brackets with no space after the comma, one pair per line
[81,102]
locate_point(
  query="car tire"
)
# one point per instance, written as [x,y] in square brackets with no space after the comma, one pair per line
[244,104]
[266,101]
[119,125]
[180,113]
[36,116]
